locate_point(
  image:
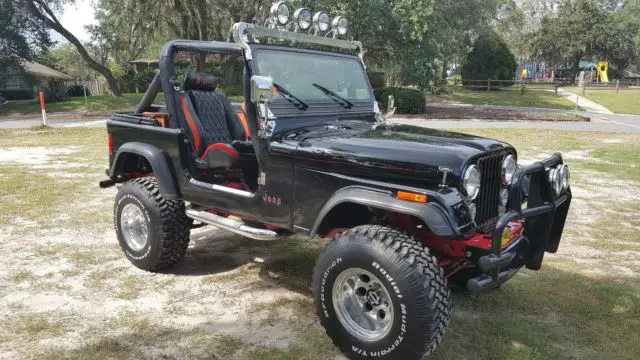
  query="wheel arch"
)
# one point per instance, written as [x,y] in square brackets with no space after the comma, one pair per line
[128,157]
[354,197]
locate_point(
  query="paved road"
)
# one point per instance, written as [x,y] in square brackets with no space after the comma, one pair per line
[600,122]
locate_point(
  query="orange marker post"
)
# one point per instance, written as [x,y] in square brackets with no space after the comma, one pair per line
[44,111]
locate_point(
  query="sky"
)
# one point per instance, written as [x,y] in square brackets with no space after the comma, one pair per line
[74,18]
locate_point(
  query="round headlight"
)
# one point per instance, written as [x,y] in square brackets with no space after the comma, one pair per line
[339,25]
[509,167]
[321,20]
[564,176]
[280,12]
[471,182]
[303,18]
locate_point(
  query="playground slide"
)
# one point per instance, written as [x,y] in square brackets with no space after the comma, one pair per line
[603,71]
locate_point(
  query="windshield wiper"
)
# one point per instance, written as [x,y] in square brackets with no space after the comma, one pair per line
[301,105]
[334,96]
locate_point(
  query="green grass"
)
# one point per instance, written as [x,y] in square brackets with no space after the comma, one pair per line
[96,103]
[627,101]
[540,98]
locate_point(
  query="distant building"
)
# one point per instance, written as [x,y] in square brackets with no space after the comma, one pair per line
[17,85]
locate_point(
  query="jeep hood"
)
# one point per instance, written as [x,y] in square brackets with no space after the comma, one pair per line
[394,151]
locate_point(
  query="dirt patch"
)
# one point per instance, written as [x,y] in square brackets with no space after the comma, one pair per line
[34,156]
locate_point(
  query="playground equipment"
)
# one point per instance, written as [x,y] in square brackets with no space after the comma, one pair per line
[535,72]
[603,71]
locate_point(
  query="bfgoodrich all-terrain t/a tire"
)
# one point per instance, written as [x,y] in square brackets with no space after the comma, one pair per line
[379,294]
[153,232]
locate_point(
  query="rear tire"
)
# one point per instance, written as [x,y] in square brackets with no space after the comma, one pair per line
[153,232]
[379,294]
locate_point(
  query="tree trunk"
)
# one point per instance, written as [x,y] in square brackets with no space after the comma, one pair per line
[52,22]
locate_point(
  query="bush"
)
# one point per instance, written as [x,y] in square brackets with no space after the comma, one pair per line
[142,79]
[77,90]
[232,91]
[490,59]
[17,94]
[407,101]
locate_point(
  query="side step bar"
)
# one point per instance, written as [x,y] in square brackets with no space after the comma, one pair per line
[234,226]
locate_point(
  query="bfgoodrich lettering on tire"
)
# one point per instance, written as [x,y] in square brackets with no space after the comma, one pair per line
[153,232]
[379,294]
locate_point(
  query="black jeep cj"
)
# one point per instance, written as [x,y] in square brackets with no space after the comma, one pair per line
[411,211]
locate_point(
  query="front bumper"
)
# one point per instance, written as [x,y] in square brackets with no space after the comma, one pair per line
[544,217]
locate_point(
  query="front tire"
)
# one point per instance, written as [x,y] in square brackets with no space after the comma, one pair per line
[153,232]
[379,294]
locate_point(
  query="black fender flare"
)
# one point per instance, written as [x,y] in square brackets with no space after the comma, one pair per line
[160,164]
[433,214]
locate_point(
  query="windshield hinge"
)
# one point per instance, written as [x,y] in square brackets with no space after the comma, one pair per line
[262,179]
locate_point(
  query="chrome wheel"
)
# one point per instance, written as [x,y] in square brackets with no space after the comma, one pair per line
[363,304]
[134,226]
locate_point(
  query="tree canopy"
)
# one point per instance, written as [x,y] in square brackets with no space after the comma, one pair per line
[414,42]
[21,37]
[585,29]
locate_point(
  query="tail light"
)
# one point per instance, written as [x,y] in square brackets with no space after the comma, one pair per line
[110,143]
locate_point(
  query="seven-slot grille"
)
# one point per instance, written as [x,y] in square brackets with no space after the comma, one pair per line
[488,199]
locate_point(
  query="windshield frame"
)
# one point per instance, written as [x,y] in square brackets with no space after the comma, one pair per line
[327,104]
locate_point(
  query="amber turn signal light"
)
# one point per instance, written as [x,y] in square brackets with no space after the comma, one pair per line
[408,196]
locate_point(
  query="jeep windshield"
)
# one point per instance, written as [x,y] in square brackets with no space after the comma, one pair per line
[315,78]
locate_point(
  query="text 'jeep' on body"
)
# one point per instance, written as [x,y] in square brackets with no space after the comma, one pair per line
[411,211]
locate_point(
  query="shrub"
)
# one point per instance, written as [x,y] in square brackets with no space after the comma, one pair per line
[77,90]
[18,94]
[407,101]
[490,59]
[142,79]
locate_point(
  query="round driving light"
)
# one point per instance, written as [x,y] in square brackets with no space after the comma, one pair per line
[280,12]
[303,18]
[555,180]
[557,186]
[509,167]
[471,182]
[321,20]
[564,177]
[339,25]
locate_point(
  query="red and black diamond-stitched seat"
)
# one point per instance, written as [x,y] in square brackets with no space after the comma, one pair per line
[212,124]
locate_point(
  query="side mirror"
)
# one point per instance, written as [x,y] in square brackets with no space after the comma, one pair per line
[391,106]
[261,93]
[261,89]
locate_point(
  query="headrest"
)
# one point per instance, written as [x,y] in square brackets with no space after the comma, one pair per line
[200,81]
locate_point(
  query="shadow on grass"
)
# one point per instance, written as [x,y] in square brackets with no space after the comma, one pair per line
[551,314]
